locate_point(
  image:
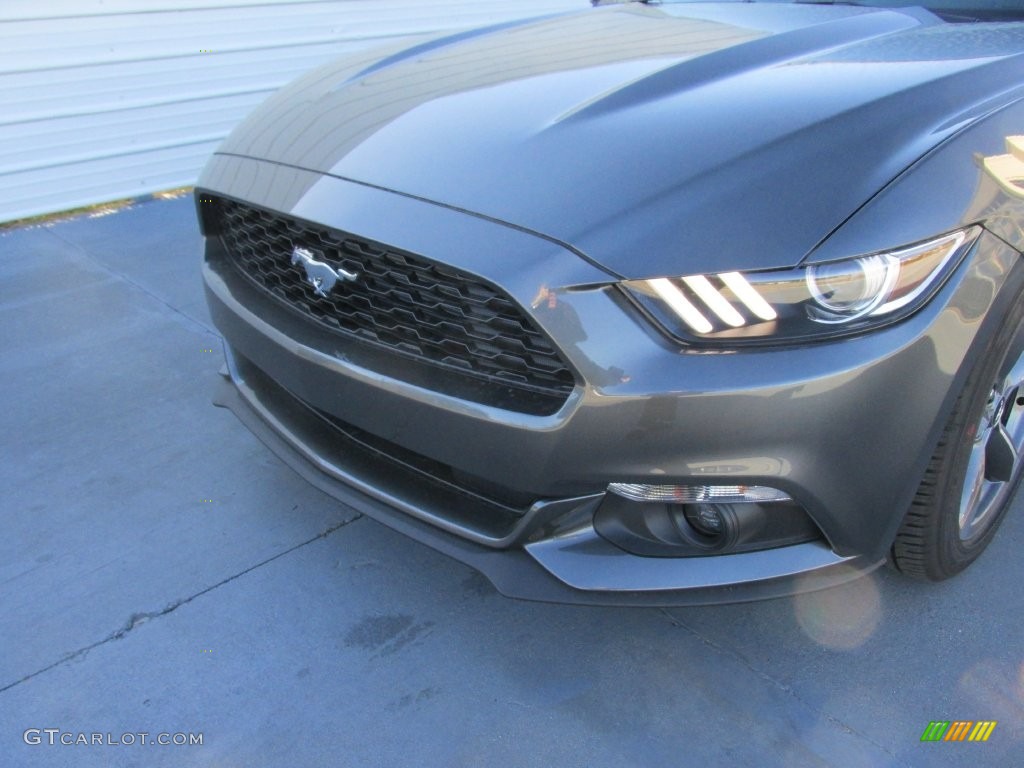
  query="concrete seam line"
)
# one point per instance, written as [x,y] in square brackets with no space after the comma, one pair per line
[123,277]
[140,618]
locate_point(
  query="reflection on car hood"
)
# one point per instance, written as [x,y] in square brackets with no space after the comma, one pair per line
[656,140]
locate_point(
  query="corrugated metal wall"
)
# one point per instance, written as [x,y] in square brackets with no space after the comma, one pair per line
[104,99]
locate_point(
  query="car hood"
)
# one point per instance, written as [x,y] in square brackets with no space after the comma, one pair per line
[655,140]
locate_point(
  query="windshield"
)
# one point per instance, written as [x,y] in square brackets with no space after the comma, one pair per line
[967,9]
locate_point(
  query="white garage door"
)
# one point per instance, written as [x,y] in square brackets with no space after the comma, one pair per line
[105,99]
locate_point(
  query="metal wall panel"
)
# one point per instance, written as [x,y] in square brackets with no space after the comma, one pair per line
[105,99]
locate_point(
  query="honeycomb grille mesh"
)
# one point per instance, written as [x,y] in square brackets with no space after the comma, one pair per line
[417,308]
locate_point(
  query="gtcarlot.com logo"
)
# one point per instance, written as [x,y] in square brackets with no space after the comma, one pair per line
[34,736]
[958,730]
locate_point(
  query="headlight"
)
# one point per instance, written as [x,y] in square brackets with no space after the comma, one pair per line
[811,302]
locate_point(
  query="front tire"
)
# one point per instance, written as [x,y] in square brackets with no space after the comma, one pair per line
[971,478]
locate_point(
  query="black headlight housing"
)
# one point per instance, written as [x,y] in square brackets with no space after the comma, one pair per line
[808,303]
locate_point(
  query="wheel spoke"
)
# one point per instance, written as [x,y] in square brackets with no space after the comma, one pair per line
[973,482]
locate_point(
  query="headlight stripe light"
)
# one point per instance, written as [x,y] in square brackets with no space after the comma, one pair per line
[804,303]
[716,303]
[750,298]
[688,313]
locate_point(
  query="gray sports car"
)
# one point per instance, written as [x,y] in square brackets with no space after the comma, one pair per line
[656,303]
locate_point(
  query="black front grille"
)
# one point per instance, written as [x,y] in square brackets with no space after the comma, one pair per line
[424,311]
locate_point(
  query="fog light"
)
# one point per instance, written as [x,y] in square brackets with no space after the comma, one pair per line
[694,494]
[705,518]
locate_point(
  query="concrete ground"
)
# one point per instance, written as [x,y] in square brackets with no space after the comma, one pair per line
[162,572]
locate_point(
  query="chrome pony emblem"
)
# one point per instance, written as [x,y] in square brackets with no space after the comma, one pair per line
[318,274]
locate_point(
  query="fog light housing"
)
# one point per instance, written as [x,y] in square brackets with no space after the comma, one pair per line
[696,520]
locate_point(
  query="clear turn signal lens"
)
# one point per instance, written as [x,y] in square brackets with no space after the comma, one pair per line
[694,494]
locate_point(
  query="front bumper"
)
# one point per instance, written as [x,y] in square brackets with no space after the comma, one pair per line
[844,428]
[577,565]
